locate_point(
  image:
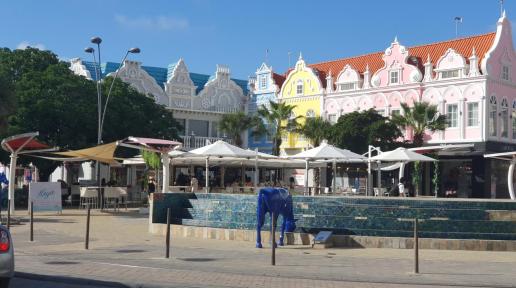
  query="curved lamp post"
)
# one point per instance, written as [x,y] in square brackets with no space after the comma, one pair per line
[102,110]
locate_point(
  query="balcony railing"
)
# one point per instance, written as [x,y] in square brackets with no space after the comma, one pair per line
[193,142]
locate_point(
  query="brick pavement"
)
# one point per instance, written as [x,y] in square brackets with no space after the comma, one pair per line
[123,251]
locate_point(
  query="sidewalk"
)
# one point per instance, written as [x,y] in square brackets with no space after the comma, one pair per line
[122,251]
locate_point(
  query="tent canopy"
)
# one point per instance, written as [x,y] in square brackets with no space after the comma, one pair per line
[401,155]
[326,151]
[103,153]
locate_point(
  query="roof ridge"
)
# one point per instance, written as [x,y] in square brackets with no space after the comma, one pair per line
[410,47]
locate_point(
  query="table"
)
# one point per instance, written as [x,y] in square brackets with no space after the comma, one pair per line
[113,196]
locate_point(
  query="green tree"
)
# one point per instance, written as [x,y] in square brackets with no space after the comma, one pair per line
[63,106]
[278,117]
[422,117]
[234,124]
[315,130]
[356,130]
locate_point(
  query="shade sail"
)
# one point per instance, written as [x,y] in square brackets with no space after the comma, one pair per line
[401,155]
[326,152]
[103,153]
[223,149]
[158,144]
[23,142]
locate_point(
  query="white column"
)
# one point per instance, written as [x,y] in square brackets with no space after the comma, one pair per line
[379,177]
[369,187]
[509,179]
[306,177]
[462,115]
[166,172]
[334,168]
[482,110]
[402,171]
[256,170]
[207,177]
[12,180]
[442,107]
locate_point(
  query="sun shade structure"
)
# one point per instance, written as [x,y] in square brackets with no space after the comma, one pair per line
[401,155]
[102,153]
[161,146]
[21,144]
[326,151]
[507,156]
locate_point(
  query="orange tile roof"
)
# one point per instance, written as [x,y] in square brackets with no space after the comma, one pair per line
[463,46]
[278,79]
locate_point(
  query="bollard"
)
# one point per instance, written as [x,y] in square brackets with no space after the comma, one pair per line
[416,248]
[273,240]
[8,214]
[87,242]
[31,221]
[167,254]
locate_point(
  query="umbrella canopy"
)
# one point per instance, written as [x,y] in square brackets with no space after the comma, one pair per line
[326,151]
[223,149]
[401,155]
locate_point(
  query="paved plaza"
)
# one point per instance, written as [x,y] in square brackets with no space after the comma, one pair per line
[123,254]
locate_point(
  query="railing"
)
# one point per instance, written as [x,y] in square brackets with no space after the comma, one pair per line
[193,142]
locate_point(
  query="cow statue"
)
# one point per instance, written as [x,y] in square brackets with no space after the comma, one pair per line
[275,201]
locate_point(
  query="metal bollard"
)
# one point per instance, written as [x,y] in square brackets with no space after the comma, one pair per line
[273,240]
[8,214]
[416,248]
[167,254]
[87,242]
[31,221]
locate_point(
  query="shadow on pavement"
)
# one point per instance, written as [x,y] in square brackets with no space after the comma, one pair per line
[69,280]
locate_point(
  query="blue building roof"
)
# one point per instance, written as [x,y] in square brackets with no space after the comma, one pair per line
[161,75]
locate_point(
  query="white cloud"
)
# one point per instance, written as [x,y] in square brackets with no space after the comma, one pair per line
[160,23]
[24,44]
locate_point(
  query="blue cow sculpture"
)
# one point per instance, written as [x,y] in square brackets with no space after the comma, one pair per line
[274,201]
[3,179]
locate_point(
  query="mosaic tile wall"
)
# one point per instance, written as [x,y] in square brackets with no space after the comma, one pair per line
[452,219]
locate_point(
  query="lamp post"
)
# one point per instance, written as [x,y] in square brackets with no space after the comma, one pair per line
[101,111]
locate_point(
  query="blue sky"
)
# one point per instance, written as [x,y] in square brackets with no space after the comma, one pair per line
[237,33]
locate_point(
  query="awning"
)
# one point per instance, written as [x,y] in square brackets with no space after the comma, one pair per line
[102,153]
[23,142]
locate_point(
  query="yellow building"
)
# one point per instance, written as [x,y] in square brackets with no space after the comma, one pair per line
[304,90]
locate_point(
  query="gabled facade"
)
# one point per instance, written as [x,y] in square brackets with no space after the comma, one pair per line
[197,101]
[265,87]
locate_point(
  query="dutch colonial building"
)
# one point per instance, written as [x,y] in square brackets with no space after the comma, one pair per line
[266,86]
[469,79]
[197,101]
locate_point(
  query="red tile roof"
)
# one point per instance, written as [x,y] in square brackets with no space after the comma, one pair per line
[463,46]
[278,79]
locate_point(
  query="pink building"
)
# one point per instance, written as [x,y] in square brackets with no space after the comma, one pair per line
[469,79]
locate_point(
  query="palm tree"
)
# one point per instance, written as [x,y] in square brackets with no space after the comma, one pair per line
[278,117]
[235,123]
[315,130]
[422,117]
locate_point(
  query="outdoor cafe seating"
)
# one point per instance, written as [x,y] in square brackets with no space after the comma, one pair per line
[113,197]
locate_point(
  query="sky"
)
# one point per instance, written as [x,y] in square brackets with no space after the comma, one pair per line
[238,33]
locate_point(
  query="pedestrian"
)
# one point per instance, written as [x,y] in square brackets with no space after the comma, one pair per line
[151,186]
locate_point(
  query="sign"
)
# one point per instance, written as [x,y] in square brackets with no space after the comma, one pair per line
[322,237]
[46,196]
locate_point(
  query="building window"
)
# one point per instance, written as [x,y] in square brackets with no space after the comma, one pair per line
[347,86]
[473,114]
[504,118]
[395,112]
[505,73]
[394,77]
[310,114]
[451,115]
[513,124]
[380,112]
[492,116]
[332,118]
[450,74]
[299,88]
[263,82]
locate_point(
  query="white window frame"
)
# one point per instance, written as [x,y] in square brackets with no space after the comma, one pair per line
[470,119]
[301,85]
[347,86]
[310,113]
[263,82]
[504,119]
[450,119]
[332,118]
[506,73]
[398,111]
[450,74]
[397,73]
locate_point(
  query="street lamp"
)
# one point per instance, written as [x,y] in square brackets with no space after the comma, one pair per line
[102,111]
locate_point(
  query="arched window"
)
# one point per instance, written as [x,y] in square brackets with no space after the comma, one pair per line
[504,118]
[310,114]
[493,110]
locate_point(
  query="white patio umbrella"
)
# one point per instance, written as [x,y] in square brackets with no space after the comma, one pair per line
[221,149]
[326,151]
[402,155]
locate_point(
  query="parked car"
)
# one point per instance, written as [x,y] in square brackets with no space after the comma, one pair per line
[6,257]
